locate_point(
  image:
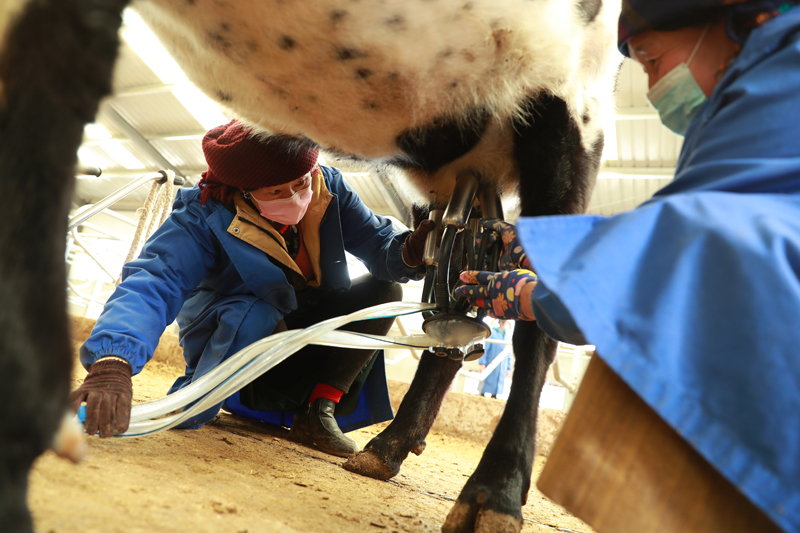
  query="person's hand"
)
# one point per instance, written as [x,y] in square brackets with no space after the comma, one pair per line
[512,256]
[414,247]
[108,392]
[505,295]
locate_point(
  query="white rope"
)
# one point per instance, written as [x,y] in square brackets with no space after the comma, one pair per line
[156,209]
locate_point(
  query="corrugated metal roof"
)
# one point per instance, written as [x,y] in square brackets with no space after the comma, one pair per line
[646,151]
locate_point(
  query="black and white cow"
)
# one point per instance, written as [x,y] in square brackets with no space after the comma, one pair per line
[512,91]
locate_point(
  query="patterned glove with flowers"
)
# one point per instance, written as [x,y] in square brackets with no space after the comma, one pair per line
[512,255]
[505,295]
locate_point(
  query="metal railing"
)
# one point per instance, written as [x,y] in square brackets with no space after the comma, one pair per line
[119,194]
[103,206]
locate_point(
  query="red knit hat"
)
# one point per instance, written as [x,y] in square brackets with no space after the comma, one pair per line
[237,159]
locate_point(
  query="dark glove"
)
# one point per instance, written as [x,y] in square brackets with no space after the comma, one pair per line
[414,247]
[108,393]
[512,255]
[505,295]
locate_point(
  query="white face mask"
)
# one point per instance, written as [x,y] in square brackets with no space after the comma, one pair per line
[677,96]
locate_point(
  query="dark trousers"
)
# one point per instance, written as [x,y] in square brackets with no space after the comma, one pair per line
[288,385]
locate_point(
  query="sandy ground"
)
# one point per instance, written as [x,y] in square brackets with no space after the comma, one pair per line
[236,475]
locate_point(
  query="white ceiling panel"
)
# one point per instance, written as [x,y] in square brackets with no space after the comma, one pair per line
[157,113]
[131,71]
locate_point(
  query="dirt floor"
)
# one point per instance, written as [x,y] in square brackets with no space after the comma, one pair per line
[235,475]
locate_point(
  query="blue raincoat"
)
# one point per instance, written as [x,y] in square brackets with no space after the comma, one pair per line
[203,267]
[694,297]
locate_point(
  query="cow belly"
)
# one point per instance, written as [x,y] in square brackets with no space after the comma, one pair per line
[353,78]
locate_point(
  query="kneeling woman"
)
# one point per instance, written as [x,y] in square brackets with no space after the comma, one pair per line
[257,248]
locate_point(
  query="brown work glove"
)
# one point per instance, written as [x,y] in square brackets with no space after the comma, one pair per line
[108,392]
[414,247]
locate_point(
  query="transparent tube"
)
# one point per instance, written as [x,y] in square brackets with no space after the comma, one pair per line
[337,339]
[244,367]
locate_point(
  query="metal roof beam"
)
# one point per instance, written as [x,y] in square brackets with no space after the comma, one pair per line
[398,208]
[608,172]
[136,137]
[636,113]
[181,136]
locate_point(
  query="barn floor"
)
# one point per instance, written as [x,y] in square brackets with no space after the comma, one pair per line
[234,475]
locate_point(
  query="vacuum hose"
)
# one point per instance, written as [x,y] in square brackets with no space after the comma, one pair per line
[443,275]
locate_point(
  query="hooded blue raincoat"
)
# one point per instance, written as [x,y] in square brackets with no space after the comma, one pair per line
[694,297]
[222,272]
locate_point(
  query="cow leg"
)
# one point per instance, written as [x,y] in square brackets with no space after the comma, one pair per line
[492,497]
[383,455]
[556,177]
[55,65]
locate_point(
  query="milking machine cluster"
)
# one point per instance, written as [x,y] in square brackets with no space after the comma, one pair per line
[458,334]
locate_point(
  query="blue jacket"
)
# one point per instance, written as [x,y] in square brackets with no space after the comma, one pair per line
[694,297]
[209,268]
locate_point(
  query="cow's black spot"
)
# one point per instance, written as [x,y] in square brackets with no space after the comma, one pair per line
[363,73]
[447,52]
[346,53]
[337,15]
[396,22]
[282,93]
[219,40]
[590,9]
[225,97]
[286,43]
[444,140]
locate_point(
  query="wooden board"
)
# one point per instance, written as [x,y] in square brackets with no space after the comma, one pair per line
[620,468]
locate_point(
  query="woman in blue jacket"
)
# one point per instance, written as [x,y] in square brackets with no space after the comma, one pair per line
[258,247]
[495,381]
[693,298]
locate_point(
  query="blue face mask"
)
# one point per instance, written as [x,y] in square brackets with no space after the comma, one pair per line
[677,97]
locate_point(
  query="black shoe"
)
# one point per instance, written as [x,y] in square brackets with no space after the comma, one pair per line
[325,432]
[299,430]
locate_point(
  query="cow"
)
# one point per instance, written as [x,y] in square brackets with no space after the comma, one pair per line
[512,92]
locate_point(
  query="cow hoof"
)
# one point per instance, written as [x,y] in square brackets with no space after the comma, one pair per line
[368,464]
[68,441]
[471,518]
[418,448]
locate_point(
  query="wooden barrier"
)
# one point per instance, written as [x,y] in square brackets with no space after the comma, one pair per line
[620,468]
